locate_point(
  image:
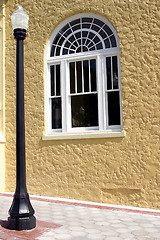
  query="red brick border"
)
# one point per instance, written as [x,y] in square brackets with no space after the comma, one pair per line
[89,205]
[41,228]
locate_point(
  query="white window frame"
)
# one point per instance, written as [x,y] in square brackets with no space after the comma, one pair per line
[67,132]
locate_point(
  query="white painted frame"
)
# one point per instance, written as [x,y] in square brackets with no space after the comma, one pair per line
[64,65]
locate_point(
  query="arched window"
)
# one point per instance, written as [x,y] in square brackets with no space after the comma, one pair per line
[83,89]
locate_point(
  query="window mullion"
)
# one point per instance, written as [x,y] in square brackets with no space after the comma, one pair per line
[64,95]
[100,93]
[55,79]
[82,78]
[120,93]
[75,72]
[112,73]
[49,119]
[89,76]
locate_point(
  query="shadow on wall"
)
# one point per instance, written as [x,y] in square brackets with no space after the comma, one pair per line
[76,142]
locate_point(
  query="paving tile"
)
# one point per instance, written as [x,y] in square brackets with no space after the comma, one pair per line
[95,236]
[83,222]
[78,234]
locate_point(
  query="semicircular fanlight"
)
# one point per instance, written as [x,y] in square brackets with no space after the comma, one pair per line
[83,35]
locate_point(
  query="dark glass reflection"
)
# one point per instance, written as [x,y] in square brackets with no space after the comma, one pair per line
[87,19]
[93,75]
[55,80]
[72,77]
[52,80]
[58,84]
[115,72]
[79,76]
[52,50]
[74,22]
[86,75]
[108,72]
[64,28]
[113,108]
[56,38]
[107,43]
[58,51]
[77,30]
[65,51]
[107,30]
[56,113]
[113,41]
[98,22]
[84,110]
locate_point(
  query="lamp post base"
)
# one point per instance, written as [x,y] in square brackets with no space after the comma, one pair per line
[21,213]
[23,223]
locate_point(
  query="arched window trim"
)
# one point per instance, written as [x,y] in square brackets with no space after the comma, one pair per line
[100,55]
[80,15]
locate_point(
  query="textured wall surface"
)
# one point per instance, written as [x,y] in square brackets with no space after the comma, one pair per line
[2,97]
[117,170]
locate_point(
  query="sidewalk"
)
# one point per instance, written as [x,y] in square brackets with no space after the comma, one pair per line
[73,220]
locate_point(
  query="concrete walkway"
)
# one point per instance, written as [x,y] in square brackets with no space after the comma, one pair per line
[72,220]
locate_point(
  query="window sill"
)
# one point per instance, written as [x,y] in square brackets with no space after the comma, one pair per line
[84,135]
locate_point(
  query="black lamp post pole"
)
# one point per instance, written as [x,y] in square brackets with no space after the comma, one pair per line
[21,211]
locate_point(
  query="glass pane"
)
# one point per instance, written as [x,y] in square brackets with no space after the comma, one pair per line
[75,22]
[58,85]
[87,19]
[64,28]
[67,44]
[84,34]
[86,25]
[108,30]
[115,72]
[52,50]
[91,35]
[56,113]
[86,75]
[58,51]
[72,77]
[96,40]
[103,34]
[99,46]
[107,44]
[98,22]
[52,81]
[113,108]
[61,40]
[84,110]
[95,28]
[76,27]
[65,51]
[79,76]
[113,41]
[67,33]
[56,38]
[93,75]
[108,72]
[91,44]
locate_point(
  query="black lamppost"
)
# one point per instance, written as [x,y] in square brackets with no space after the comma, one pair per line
[21,211]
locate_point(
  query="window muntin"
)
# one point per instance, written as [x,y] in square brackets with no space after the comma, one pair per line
[82,35]
[83,93]
[90,97]
[83,76]
[55,97]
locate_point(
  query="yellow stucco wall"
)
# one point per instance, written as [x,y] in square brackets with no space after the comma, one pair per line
[114,170]
[2,96]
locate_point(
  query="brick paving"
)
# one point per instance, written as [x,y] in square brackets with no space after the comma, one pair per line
[60,219]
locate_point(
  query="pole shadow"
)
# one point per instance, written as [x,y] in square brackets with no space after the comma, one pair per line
[4,223]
